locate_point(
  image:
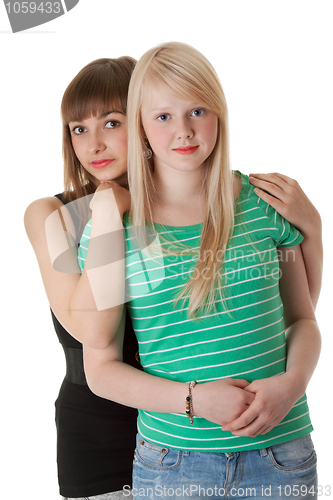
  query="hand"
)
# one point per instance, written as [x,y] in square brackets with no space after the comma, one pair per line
[274,398]
[287,197]
[222,400]
[109,191]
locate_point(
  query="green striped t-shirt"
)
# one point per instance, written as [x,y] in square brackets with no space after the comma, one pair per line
[244,338]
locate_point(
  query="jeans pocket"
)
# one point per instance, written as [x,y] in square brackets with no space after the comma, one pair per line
[157,457]
[298,454]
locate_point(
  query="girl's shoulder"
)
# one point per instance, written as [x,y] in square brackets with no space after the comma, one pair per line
[241,185]
[43,205]
[37,213]
[46,203]
[237,183]
[246,198]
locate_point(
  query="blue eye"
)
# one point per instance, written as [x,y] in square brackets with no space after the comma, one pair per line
[163,118]
[197,112]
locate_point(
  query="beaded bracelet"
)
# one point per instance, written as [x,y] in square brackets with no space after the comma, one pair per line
[189,405]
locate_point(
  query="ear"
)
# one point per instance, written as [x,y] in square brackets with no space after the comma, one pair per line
[147,151]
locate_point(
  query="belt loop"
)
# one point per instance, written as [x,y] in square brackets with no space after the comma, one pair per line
[263,452]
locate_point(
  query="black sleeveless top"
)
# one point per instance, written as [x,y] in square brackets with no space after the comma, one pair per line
[95,436]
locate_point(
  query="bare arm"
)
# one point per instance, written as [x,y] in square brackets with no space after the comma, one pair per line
[110,378]
[286,196]
[76,300]
[276,396]
[84,304]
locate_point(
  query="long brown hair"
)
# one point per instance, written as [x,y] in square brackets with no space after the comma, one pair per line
[97,88]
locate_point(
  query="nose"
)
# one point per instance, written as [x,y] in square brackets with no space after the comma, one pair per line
[184,128]
[96,143]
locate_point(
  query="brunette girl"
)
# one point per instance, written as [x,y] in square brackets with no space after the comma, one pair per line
[95,437]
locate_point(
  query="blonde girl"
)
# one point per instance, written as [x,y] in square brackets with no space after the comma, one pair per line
[95,437]
[221,339]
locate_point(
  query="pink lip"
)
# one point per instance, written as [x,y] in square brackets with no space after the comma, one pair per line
[186,150]
[102,163]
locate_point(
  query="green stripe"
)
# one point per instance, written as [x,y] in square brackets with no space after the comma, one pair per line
[245,341]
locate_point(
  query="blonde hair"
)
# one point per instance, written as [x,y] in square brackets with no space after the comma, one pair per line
[189,74]
[100,86]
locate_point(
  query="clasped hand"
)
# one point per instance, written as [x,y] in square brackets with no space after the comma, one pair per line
[273,399]
[246,409]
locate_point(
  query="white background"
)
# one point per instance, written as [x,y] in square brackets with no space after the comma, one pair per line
[274,59]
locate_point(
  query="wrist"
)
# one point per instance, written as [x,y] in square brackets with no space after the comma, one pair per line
[189,403]
[105,220]
[313,226]
[197,400]
[296,382]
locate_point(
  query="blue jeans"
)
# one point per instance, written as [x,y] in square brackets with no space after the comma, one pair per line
[283,471]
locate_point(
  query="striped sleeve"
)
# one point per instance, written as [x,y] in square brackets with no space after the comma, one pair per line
[287,235]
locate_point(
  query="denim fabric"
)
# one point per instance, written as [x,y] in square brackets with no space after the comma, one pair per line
[282,471]
[115,495]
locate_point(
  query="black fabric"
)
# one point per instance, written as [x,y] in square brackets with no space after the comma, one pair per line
[79,211]
[74,364]
[95,436]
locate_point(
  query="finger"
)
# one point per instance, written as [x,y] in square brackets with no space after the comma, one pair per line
[266,429]
[273,177]
[239,382]
[251,388]
[285,178]
[260,425]
[274,188]
[250,430]
[249,398]
[245,419]
[276,203]
[256,427]
[287,184]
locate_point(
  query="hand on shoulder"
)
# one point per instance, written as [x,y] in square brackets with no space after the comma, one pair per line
[287,197]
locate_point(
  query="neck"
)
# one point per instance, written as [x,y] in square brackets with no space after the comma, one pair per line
[174,185]
[180,197]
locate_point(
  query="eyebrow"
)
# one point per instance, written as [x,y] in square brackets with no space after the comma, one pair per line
[104,115]
[160,109]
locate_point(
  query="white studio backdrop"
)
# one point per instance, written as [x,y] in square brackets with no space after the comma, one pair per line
[274,62]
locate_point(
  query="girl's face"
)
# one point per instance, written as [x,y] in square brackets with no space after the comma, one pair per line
[100,143]
[182,134]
